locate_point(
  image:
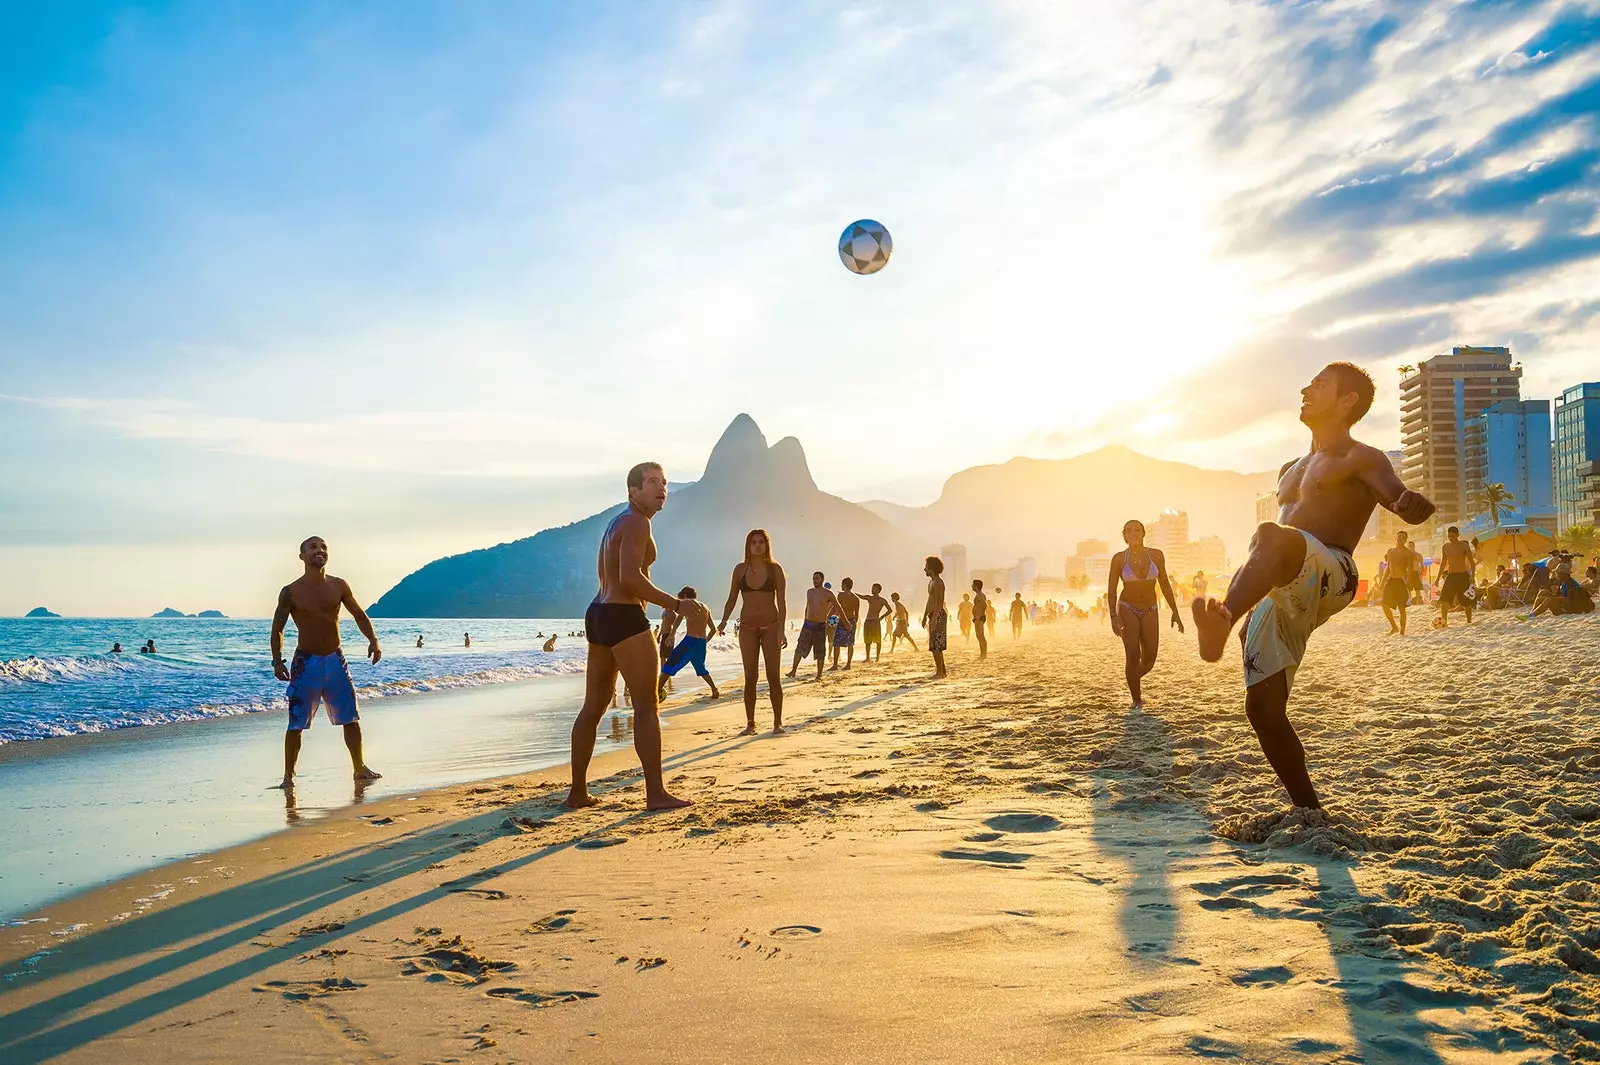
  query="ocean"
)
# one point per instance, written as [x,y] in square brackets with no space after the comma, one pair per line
[58,677]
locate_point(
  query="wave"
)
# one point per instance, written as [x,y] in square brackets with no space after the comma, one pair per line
[61,669]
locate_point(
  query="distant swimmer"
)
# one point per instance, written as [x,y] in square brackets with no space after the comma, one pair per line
[319,674]
[902,624]
[1137,619]
[1457,564]
[149,648]
[550,644]
[466,639]
[964,616]
[844,633]
[934,616]
[1301,570]
[1019,612]
[761,637]
[691,650]
[620,642]
[813,640]
[1398,564]
[116,648]
[877,608]
[980,615]
[419,640]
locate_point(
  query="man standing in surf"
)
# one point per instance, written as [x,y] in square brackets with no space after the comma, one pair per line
[620,640]
[1301,570]
[319,673]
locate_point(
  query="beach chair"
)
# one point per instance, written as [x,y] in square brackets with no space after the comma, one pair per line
[1512,595]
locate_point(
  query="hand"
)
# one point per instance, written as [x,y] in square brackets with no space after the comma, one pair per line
[1116,625]
[1412,508]
[373,652]
[1177,620]
[280,669]
[722,629]
[785,642]
[924,621]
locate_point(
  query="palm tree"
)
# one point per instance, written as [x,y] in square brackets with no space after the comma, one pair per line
[1581,540]
[1493,500]
[1405,368]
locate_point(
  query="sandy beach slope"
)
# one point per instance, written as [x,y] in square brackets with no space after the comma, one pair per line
[1008,866]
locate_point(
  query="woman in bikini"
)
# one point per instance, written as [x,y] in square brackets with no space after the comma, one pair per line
[761,619]
[1136,618]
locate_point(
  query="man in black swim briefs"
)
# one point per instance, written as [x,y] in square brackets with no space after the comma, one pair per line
[620,641]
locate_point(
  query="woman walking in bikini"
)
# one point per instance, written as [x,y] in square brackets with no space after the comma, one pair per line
[761,619]
[1136,618]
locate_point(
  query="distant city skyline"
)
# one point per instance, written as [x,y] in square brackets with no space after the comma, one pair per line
[370,271]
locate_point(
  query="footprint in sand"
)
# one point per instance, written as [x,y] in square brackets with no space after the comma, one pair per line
[539,999]
[1271,974]
[554,923]
[597,842]
[448,965]
[320,929]
[489,894]
[300,990]
[1001,858]
[796,931]
[982,837]
[1022,822]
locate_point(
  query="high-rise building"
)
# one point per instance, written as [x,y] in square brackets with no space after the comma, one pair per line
[1169,534]
[1509,443]
[955,568]
[1093,547]
[1209,555]
[1267,506]
[1436,400]
[1577,421]
[1589,493]
[1027,570]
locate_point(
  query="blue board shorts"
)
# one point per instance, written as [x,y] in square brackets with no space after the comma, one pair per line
[316,679]
[691,650]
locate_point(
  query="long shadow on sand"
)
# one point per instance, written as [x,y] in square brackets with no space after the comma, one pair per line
[238,915]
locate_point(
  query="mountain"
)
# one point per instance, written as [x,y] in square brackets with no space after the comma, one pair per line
[700,536]
[41,612]
[169,612]
[211,614]
[1043,507]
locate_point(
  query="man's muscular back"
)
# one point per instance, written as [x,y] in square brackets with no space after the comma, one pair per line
[314,606]
[1324,493]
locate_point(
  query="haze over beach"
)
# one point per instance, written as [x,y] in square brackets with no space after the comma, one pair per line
[432,433]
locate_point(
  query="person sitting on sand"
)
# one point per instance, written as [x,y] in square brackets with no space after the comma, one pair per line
[1398,563]
[1137,620]
[934,616]
[980,615]
[620,643]
[813,640]
[1591,580]
[550,644]
[902,624]
[761,637]
[876,609]
[319,672]
[691,650]
[964,616]
[1564,596]
[1301,570]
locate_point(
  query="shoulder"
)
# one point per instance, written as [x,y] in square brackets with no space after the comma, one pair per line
[1367,455]
[776,569]
[1155,553]
[286,593]
[739,569]
[1287,466]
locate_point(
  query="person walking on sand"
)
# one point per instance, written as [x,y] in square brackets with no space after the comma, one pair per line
[1455,570]
[934,617]
[318,673]
[619,639]
[876,609]
[761,637]
[964,617]
[1137,619]
[1398,563]
[813,639]
[1301,570]
[902,624]
[844,633]
[691,650]
[992,615]
[1019,610]
[980,614]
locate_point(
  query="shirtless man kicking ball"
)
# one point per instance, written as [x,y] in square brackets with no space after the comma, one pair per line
[1300,571]
[318,673]
[620,640]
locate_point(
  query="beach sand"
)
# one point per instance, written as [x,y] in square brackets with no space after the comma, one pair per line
[1005,866]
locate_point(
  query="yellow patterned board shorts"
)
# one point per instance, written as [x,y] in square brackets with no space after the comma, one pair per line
[1279,626]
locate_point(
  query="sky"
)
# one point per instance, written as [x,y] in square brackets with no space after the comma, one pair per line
[422,278]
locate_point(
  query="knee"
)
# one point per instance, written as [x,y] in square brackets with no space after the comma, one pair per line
[1271,537]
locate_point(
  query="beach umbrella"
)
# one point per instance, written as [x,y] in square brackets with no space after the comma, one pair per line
[1515,542]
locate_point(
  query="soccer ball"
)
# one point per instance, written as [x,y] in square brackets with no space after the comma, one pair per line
[865,247]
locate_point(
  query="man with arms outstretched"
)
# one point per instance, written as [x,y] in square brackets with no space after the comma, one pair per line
[620,641]
[318,673]
[1300,571]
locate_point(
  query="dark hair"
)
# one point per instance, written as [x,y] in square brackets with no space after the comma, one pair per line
[307,540]
[1133,521]
[977,584]
[935,563]
[1453,531]
[876,587]
[818,573]
[636,475]
[1352,378]
[751,535]
[687,592]
[847,583]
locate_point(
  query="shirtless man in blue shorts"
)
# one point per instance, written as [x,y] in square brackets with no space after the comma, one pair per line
[318,673]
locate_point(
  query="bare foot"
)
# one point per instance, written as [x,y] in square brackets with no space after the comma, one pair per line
[364,773]
[776,729]
[286,784]
[667,801]
[715,695]
[749,730]
[790,674]
[578,798]
[1211,624]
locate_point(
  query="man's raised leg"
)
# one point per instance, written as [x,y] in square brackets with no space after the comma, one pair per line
[637,661]
[1265,704]
[600,688]
[1276,554]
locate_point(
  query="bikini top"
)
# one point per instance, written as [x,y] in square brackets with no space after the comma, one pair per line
[766,585]
[1127,571]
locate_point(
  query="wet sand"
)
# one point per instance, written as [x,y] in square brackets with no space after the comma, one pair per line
[1005,866]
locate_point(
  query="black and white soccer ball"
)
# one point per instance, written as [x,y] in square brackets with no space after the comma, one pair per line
[865,247]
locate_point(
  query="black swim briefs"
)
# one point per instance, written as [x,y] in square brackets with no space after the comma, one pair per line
[608,624]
